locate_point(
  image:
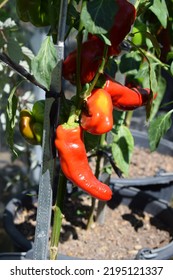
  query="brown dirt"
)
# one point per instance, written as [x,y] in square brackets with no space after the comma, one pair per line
[144,163]
[123,233]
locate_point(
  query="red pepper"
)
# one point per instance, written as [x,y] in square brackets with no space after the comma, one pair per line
[124,98]
[69,67]
[111,51]
[74,162]
[91,55]
[97,117]
[124,19]
[92,50]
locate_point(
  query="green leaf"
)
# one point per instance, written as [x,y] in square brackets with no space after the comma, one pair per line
[169,56]
[171,68]
[43,64]
[147,74]
[153,85]
[130,63]
[73,16]
[157,129]
[77,1]
[119,118]
[143,6]
[111,67]
[159,97]
[122,148]
[91,141]
[2,42]
[154,42]
[138,33]
[159,8]
[11,119]
[153,76]
[143,74]
[105,39]
[14,50]
[54,11]
[98,16]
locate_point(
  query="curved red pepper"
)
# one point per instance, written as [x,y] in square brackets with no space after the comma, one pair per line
[97,117]
[91,55]
[124,98]
[74,162]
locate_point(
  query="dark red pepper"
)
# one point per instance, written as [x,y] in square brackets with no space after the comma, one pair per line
[74,162]
[124,19]
[91,56]
[92,49]
[111,51]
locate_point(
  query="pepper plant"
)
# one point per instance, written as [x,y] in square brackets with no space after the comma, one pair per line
[111,37]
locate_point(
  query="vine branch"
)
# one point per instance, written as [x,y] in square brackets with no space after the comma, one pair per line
[3,3]
[20,70]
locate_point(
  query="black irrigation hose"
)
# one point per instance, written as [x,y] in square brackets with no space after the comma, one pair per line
[164,253]
[157,180]
[12,256]
[22,200]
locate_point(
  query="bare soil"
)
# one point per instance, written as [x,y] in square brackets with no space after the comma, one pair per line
[122,235]
[144,163]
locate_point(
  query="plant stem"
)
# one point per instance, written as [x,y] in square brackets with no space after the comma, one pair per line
[163,65]
[166,104]
[119,121]
[148,55]
[128,118]
[20,70]
[97,172]
[80,96]
[91,213]
[3,3]
[58,216]
[99,72]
